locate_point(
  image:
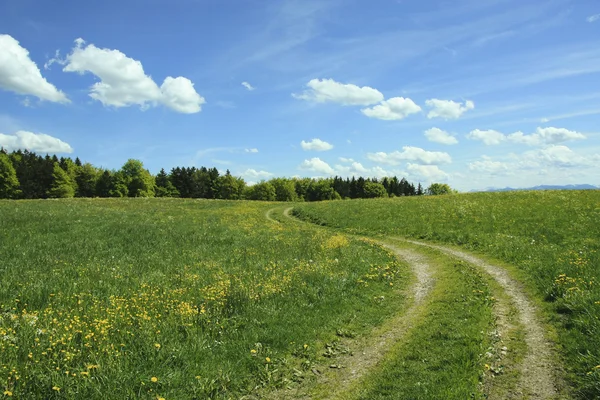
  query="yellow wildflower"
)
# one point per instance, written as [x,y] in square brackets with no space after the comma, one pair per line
[56,388]
[8,393]
[253,351]
[157,345]
[267,359]
[154,379]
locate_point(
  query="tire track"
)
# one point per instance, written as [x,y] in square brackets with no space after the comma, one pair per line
[537,369]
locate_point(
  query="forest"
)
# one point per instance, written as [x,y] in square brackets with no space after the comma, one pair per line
[27,175]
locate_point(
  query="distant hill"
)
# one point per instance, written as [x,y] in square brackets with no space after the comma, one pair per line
[542,187]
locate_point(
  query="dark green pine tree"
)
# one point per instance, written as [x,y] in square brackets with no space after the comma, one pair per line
[104,184]
[164,186]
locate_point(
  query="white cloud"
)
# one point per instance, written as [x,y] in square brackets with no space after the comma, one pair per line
[253,150]
[346,160]
[254,174]
[328,90]
[248,86]
[593,18]
[560,156]
[489,137]
[124,83]
[410,153]
[395,108]
[548,135]
[38,142]
[487,165]
[317,165]
[447,109]
[440,136]
[19,74]
[426,173]
[542,136]
[316,145]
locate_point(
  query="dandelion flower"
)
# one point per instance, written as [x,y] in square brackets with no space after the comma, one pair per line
[154,379]
[267,359]
[305,346]
[253,351]
[8,393]
[56,388]
[157,345]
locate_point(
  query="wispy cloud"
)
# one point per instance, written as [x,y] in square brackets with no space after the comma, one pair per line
[593,18]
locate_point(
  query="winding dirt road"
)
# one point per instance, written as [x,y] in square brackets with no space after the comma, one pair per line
[538,380]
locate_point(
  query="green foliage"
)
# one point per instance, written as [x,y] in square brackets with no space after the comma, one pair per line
[63,185]
[320,190]
[285,189]
[86,179]
[9,183]
[164,186]
[436,189]
[230,187]
[104,184]
[117,291]
[373,190]
[119,185]
[140,183]
[261,191]
[550,236]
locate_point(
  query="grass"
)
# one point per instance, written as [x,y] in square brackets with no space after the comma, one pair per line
[171,298]
[551,237]
[443,355]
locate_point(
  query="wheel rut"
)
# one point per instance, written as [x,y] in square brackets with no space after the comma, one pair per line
[536,372]
[537,378]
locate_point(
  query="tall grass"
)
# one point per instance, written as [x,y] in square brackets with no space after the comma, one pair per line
[162,298]
[552,237]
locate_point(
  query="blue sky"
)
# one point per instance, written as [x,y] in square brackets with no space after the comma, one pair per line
[473,93]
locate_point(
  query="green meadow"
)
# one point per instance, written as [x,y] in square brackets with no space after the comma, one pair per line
[550,238]
[176,299]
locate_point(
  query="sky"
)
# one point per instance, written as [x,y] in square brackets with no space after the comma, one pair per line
[476,94]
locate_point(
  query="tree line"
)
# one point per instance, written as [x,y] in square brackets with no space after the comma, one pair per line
[27,175]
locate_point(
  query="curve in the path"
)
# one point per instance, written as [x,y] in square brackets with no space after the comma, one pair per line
[537,371]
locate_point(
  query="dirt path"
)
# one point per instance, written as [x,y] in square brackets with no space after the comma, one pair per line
[268,215]
[537,369]
[368,352]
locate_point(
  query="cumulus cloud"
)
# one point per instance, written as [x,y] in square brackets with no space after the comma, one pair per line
[39,142]
[489,137]
[395,108]
[440,136]
[254,174]
[548,135]
[560,156]
[542,136]
[316,145]
[346,160]
[253,150]
[248,86]
[124,83]
[328,90]
[593,18]
[447,109]
[317,165]
[409,153]
[19,74]
[426,173]
[489,166]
